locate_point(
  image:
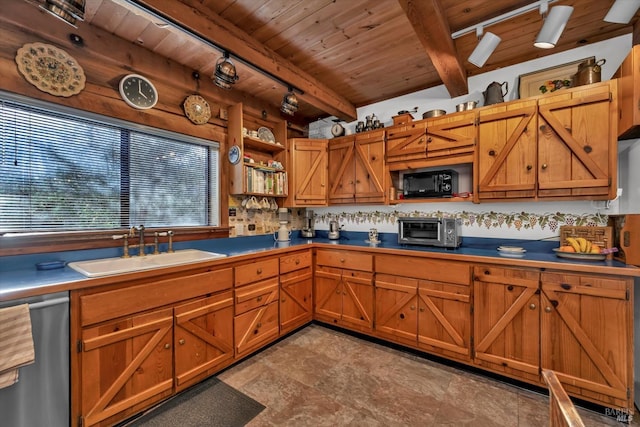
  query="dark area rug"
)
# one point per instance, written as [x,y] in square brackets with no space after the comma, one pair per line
[210,403]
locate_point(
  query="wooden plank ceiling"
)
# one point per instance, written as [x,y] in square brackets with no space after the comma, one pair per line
[343,53]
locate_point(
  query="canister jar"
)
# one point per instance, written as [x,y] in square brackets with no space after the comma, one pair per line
[589,72]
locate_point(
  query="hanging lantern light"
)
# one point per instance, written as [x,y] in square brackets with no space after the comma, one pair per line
[289,103]
[225,75]
[70,11]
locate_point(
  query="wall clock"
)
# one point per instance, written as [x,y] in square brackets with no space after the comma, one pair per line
[337,130]
[234,154]
[138,91]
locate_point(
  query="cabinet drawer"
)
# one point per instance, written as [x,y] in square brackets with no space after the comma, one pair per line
[258,270]
[507,276]
[256,328]
[344,259]
[424,268]
[133,298]
[595,285]
[295,261]
[256,295]
[445,291]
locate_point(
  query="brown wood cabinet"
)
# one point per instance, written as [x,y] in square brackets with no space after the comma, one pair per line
[507,321]
[308,172]
[424,303]
[629,95]
[256,305]
[586,326]
[296,291]
[126,359]
[406,142]
[344,289]
[557,146]
[357,168]
[451,139]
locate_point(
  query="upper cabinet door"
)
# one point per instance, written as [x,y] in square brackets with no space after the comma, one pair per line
[452,137]
[577,137]
[407,142]
[309,172]
[342,179]
[506,158]
[369,167]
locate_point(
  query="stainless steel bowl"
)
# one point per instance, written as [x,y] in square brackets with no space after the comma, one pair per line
[433,113]
[469,105]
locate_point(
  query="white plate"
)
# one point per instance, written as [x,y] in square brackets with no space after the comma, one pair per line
[511,249]
[265,134]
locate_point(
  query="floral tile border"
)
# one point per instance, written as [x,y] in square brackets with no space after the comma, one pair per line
[488,220]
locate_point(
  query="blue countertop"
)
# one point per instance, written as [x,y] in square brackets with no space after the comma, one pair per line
[18,273]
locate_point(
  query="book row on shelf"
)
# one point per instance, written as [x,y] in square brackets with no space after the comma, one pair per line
[266,182]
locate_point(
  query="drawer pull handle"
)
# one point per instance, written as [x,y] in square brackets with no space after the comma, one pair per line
[259,298]
[167,346]
[297,261]
[181,342]
[259,271]
[341,259]
[532,306]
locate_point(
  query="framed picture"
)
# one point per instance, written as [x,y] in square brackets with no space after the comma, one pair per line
[549,79]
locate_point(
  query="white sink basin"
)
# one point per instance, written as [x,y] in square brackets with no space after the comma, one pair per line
[109,266]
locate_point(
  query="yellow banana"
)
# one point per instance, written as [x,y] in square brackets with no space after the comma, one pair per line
[574,244]
[589,244]
[583,244]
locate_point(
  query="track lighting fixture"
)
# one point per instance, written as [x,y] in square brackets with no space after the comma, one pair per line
[70,11]
[289,103]
[553,25]
[622,11]
[225,74]
[485,47]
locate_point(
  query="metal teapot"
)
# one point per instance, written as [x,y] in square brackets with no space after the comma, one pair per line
[494,93]
[588,72]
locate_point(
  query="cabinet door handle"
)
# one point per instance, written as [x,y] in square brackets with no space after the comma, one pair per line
[283,300]
[181,342]
[547,309]
[259,325]
[413,307]
[338,292]
[544,166]
[492,153]
[529,167]
[532,306]
[429,139]
[167,346]
[259,271]
[341,259]
[421,309]
[259,298]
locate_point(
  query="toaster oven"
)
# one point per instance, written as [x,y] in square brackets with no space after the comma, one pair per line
[429,231]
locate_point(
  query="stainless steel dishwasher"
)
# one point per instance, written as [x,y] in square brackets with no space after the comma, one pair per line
[41,395]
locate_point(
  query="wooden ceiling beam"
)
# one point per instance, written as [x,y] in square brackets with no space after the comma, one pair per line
[194,17]
[432,29]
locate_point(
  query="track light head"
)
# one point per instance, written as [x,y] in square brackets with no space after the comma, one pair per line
[487,44]
[554,24]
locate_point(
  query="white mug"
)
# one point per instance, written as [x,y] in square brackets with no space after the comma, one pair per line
[253,203]
[282,236]
[373,235]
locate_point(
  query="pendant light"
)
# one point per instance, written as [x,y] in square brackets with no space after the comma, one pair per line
[289,103]
[622,11]
[225,75]
[485,47]
[67,10]
[553,26]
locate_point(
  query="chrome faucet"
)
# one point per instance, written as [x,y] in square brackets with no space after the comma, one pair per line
[141,244]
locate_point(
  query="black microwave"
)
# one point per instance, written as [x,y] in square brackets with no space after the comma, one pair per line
[442,183]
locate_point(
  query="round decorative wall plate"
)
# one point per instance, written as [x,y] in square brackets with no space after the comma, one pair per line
[234,154]
[50,69]
[196,108]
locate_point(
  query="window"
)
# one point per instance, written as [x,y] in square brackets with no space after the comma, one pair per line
[62,170]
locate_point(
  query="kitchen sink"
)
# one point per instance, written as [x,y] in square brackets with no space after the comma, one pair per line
[110,266]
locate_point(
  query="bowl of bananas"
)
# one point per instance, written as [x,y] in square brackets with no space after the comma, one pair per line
[580,248]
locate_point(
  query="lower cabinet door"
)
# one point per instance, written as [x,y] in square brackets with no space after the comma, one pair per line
[357,299]
[328,294]
[586,326]
[255,328]
[127,365]
[203,338]
[444,319]
[397,308]
[296,303]
[507,321]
